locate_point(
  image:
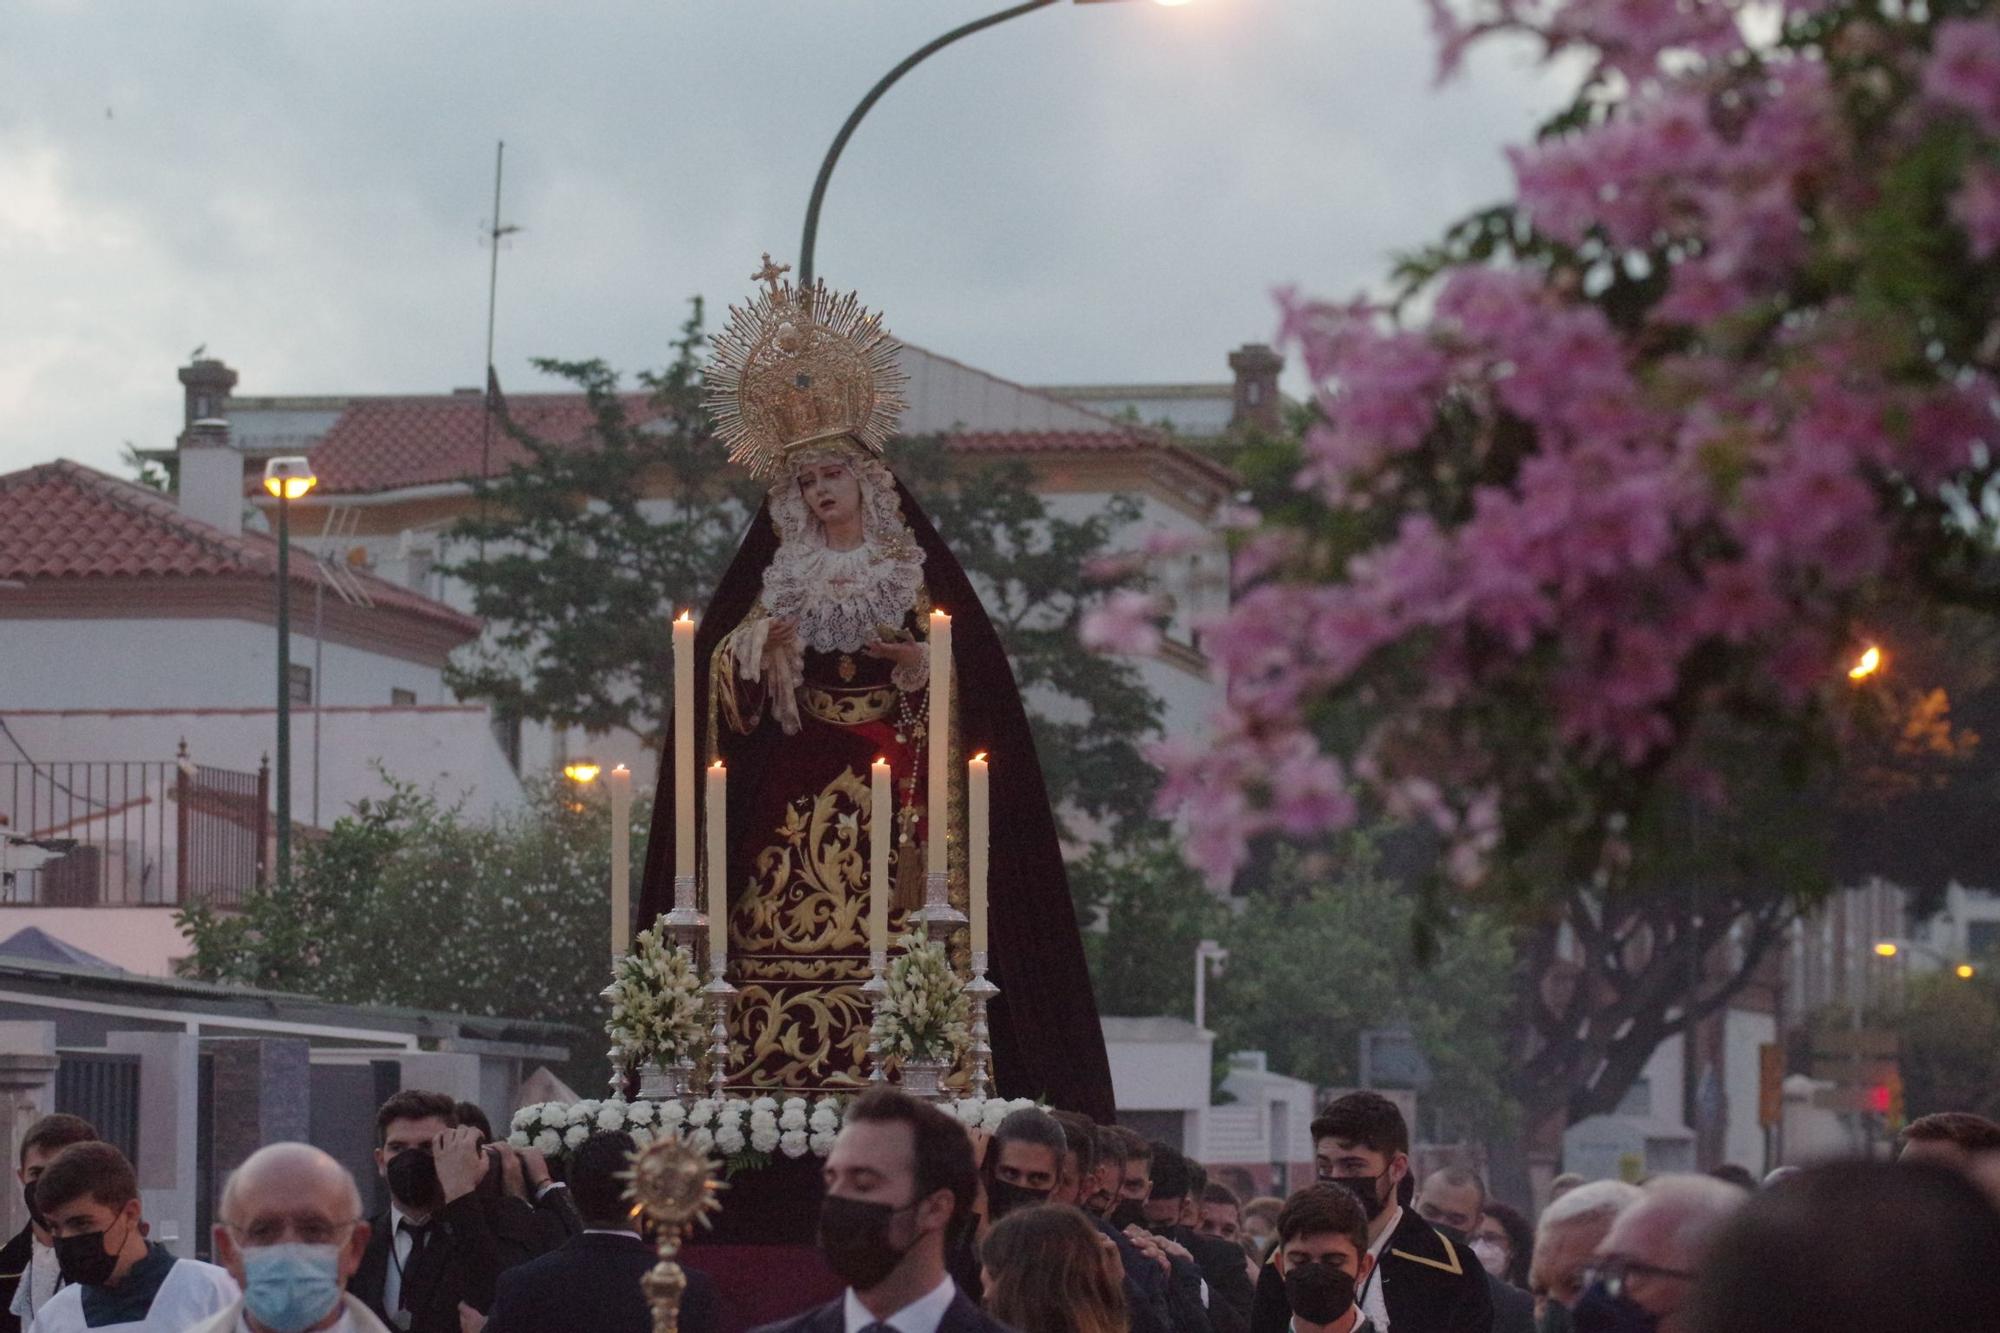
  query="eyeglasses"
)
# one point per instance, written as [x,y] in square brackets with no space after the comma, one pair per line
[277,1230]
[1615,1272]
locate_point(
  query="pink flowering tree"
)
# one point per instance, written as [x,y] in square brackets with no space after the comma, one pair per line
[1598,508]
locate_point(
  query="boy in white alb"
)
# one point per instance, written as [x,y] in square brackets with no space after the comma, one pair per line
[116,1279]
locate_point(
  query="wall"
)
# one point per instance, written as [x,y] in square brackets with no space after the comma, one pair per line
[188,663]
[450,750]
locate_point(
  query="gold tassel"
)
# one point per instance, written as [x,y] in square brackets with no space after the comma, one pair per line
[910,859]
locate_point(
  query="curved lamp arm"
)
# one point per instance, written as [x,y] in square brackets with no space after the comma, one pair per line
[874,95]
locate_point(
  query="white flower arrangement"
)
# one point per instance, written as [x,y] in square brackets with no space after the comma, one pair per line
[746,1134]
[657,1010]
[923,1016]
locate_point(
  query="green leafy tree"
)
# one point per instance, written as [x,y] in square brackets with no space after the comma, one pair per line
[407,902]
[1949,1034]
[581,555]
[1321,953]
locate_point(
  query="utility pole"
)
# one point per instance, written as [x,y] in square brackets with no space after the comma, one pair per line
[496,231]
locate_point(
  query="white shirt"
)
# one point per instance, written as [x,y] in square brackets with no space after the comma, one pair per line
[921,1315]
[191,1293]
[1354,1310]
[1372,1304]
[38,1285]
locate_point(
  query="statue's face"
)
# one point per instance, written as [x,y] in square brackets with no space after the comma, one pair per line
[832,493]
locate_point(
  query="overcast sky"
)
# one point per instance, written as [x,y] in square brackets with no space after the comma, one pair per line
[1100,192]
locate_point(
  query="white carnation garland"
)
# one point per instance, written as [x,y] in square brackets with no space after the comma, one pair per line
[745,1133]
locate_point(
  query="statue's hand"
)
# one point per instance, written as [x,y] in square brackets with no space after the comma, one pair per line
[907,656]
[782,635]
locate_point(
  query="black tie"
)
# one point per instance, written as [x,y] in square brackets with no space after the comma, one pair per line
[420,1234]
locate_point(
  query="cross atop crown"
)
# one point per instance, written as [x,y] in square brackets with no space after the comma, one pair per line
[770,272]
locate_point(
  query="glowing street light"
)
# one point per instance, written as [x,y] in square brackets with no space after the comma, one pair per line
[582,772]
[1965,971]
[1887,949]
[1896,948]
[286,479]
[1866,665]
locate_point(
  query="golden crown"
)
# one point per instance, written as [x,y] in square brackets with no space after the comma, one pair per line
[801,366]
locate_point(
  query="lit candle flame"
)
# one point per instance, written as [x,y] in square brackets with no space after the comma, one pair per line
[685,617]
[979,758]
[1868,664]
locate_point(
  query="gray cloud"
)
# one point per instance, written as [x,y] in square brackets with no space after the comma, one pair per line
[1101,192]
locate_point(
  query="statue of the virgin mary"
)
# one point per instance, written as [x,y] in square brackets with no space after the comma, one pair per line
[812,662]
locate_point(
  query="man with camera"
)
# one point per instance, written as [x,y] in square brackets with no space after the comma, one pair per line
[440,1242]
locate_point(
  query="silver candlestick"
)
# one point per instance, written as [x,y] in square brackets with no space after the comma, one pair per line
[979,990]
[686,921]
[876,988]
[940,918]
[719,993]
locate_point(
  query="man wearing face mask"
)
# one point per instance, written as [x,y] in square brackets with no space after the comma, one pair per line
[28,1275]
[1145,1282]
[900,1184]
[1645,1267]
[1019,1168]
[1322,1257]
[435,1247]
[1421,1281]
[1453,1199]
[291,1235]
[1177,1185]
[115,1281]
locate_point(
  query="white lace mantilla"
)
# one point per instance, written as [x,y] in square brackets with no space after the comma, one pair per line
[839,599]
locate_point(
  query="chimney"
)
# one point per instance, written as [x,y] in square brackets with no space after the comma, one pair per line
[210,485]
[205,391]
[1258,406]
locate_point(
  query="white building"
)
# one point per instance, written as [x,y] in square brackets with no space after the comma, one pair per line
[138,682]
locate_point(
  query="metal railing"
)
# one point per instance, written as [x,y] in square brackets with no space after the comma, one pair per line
[166,833]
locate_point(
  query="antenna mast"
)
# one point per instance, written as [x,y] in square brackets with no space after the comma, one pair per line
[496,231]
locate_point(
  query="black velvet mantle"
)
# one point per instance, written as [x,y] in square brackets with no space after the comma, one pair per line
[1047,1041]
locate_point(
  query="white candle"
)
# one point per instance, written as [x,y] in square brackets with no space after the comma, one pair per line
[975,845]
[718,865]
[939,741]
[684,845]
[881,834]
[621,860]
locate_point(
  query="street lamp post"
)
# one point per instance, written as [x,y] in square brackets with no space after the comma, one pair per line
[887,81]
[286,479]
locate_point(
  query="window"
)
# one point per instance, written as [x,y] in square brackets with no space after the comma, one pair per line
[300,683]
[403,698]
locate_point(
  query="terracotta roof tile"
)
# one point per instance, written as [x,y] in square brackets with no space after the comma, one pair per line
[391,444]
[63,520]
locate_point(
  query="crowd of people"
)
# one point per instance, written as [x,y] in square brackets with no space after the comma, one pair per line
[1052,1224]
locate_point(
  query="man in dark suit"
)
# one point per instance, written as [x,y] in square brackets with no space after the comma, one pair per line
[1421,1282]
[1452,1199]
[1171,1210]
[900,1183]
[593,1281]
[436,1247]
[28,1259]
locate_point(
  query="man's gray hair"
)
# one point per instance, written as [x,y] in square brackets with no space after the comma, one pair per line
[1599,1201]
[1695,1206]
[1033,1125]
[291,1157]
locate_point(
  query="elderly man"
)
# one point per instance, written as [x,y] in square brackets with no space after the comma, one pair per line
[291,1235]
[1646,1265]
[1567,1237]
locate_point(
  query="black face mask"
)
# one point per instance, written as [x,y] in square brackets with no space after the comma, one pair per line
[1598,1311]
[1363,1188]
[413,1179]
[28,1197]
[854,1237]
[1319,1293]
[1003,1198]
[83,1259]
[1127,1213]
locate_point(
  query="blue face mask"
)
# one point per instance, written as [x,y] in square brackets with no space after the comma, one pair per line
[1598,1311]
[292,1286]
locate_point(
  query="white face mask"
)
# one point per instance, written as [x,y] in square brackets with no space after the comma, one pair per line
[1492,1255]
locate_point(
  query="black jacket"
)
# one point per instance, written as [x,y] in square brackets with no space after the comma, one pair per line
[14,1260]
[1429,1285]
[593,1282]
[961,1316]
[462,1261]
[1513,1309]
[1146,1305]
[1230,1294]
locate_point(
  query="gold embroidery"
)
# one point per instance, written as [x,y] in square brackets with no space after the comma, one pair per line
[846,668]
[1451,1253]
[848,709]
